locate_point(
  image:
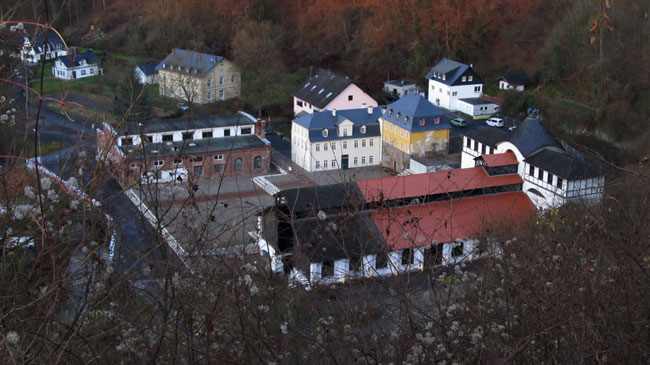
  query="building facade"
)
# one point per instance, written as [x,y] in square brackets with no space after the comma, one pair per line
[170,149]
[198,78]
[76,66]
[328,90]
[337,139]
[389,226]
[412,126]
[146,73]
[451,81]
[399,88]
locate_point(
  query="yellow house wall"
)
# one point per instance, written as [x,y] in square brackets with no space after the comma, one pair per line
[169,82]
[407,142]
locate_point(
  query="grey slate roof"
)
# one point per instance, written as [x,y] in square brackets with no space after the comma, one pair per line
[514,79]
[338,237]
[73,59]
[318,121]
[147,68]
[399,82]
[564,166]
[411,109]
[52,39]
[322,88]
[453,71]
[189,62]
[184,124]
[531,136]
[194,146]
[324,197]
[487,135]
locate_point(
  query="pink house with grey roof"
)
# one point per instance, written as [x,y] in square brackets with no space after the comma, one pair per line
[328,90]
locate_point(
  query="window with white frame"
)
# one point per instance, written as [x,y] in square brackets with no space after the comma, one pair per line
[221,94]
[371,159]
[477,89]
[218,157]
[210,95]
[363,143]
[371,142]
[325,133]
[317,147]
[333,146]
[333,163]
[356,161]
[324,164]
[455,93]
[356,143]
[221,80]
[325,146]
[158,163]
[210,82]
[362,129]
[463,79]
[345,145]
[318,164]
[363,160]
[469,78]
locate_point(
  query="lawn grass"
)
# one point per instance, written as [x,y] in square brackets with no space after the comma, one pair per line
[58,87]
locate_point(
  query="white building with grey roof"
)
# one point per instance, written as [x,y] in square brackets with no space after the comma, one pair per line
[451,81]
[337,139]
[553,172]
[328,90]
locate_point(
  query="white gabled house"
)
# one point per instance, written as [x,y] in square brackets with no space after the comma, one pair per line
[48,48]
[451,81]
[76,66]
[513,82]
[146,73]
[337,139]
[553,172]
[328,90]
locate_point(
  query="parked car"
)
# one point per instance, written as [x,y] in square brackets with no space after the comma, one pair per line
[494,122]
[182,106]
[458,122]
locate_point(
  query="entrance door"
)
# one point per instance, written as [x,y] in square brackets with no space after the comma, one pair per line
[344,162]
[74,75]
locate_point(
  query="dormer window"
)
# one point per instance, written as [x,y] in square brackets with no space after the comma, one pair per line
[325,133]
[406,119]
[437,120]
[363,129]
[422,122]
[444,77]
[398,115]
[345,132]
[390,112]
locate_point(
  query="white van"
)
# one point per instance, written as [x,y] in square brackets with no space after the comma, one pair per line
[494,122]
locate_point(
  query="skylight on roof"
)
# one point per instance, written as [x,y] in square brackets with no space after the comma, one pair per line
[313,87]
[321,91]
[307,84]
[328,94]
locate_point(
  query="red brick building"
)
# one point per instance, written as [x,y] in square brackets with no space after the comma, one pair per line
[165,150]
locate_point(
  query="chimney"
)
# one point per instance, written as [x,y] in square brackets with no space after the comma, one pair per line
[471,65]
[260,128]
[334,112]
[370,110]
[173,50]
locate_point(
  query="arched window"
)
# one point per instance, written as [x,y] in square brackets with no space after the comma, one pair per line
[239,164]
[257,162]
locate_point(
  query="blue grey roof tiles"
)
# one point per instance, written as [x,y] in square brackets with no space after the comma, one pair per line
[319,121]
[531,136]
[189,62]
[73,59]
[412,110]
[452,71]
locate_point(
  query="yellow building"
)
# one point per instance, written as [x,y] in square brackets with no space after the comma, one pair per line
[412,126]
[198,78]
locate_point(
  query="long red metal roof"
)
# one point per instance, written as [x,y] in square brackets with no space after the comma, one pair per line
[500,159]
[447,181]
[421,225]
